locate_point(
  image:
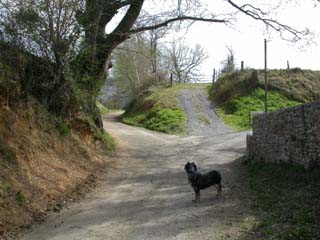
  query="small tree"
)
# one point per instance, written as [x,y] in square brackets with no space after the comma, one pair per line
[228,65]
[185,61]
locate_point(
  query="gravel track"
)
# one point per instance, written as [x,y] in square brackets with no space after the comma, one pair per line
[203,119]
[145,194]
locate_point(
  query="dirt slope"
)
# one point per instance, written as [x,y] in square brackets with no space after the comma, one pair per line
[40,167]
[146,195]
[202,117]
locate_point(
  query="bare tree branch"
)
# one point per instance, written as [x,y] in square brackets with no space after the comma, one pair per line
[180,18]
[259,15]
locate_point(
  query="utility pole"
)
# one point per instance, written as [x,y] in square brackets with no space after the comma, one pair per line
[214,76]
[265,78]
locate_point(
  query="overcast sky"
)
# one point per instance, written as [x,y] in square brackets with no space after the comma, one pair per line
[247,41]
[246,37]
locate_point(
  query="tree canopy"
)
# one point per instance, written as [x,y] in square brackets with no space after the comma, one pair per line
[68,37]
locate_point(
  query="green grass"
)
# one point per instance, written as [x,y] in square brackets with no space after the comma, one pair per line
[287,199]
[20,198]
[296,84]
[108,141]
[165,120]
[63,129]
[159,110]
[102,108]
[236,111]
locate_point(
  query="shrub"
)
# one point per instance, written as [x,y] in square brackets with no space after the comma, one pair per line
[20,198]
[63,129]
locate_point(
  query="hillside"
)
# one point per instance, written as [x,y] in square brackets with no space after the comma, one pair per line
[43,163]
[181,109]
[157,109]
[240,93]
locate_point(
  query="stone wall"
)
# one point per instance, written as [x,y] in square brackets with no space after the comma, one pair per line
[289,135]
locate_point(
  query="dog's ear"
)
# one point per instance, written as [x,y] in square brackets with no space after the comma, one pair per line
[195,166]
[185,166]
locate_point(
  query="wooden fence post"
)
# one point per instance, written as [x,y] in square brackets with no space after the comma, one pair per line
[265,77]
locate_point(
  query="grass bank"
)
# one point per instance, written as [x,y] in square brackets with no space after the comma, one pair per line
[287,200]
[239,93]
[103,109]
[236,111]
[158,109]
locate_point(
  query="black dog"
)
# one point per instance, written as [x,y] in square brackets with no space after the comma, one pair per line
[200,181]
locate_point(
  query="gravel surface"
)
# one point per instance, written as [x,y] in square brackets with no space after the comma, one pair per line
[146,195]
[202,117]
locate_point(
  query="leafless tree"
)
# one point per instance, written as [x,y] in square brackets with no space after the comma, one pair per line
[61,21]
[185,61]
[228,65]
[132,67]
[70,34]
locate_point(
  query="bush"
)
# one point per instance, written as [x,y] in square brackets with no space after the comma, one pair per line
[63,129]
[231,85]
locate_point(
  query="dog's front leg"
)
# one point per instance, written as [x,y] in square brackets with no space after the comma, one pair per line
[197,195]
[218,188]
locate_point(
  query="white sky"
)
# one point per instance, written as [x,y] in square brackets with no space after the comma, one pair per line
[247,41]
[246,37]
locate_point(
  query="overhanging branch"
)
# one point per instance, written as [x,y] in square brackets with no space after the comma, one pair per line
[259,15]
[180,18]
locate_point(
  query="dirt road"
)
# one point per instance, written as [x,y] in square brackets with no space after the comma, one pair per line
[203,119]
[146,195]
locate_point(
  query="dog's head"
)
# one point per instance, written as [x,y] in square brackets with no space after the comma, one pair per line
[190,167]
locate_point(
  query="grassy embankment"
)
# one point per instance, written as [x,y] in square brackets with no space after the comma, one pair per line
[106,137]
[237,94]
[103,109]
[287,201]
[286,198]
[159,109]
